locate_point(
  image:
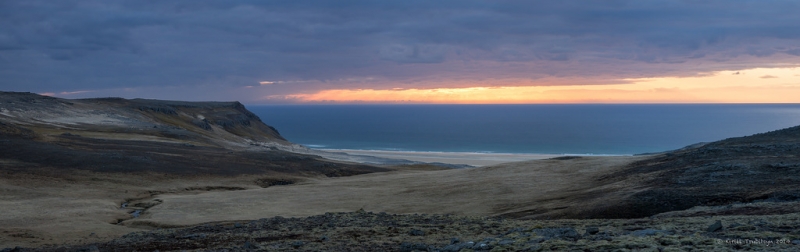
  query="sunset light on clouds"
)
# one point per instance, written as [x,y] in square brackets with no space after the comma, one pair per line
[762,85]
[405,51]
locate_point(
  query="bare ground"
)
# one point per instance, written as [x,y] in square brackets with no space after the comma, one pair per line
[68,207]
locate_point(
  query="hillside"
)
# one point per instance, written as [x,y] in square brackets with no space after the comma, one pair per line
[759,168]
[121,135]
[220,124]
[85,174]
[74,167]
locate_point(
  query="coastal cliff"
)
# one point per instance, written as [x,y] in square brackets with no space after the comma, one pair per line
[115,134]
[224,124]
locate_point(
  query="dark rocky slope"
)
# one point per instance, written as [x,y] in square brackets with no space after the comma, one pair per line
[759,168]
[367,231]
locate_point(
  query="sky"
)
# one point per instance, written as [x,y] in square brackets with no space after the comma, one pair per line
[410,51]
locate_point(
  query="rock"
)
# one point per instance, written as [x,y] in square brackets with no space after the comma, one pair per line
[456,247]
[248,245]
[561,233]
[454,240]
[298,244]
[533,248]
[592,230]
[451,248]
[408,247]
[715,227]
[237,225]
[505,242]
[537,240]
[323,238]
[481,246]
[91,248]
[648,232]
[796,242]
[416,232]
[193,236]
[513,230]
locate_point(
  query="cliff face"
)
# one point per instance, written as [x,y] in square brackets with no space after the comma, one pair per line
[115,134]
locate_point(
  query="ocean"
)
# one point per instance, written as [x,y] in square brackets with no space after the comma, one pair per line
[587,129]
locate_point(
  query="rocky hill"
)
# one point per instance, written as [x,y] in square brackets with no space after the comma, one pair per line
[115,134]
[727,177]
[757,168]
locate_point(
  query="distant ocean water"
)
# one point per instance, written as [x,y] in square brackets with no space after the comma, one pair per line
[546,129]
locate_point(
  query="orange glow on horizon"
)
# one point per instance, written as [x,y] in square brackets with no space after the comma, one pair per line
[761,85]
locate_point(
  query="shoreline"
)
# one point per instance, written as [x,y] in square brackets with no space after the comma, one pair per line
[457,158]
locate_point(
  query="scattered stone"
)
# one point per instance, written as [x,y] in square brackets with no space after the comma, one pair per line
[355,232]
[456,247]
[237,225]
[744,228]
[537,240]
[408,247]
[592,230]
[489,240]
[532,248]
[193,236]
[481,246]
[249,245]
[648,232]
[715,227]
[513,230]
[505,242]
[560,233]
[91,248]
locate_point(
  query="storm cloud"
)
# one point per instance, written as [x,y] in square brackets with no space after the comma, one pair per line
[197,49]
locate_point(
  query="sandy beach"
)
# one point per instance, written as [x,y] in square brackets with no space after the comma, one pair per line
[467,158]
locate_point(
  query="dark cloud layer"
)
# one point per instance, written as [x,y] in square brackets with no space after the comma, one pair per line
[54,46]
